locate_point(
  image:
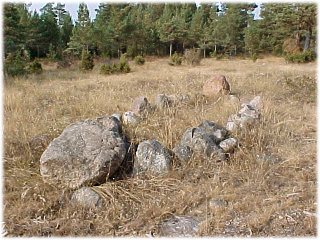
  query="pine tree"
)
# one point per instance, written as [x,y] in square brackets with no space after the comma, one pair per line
[82,33]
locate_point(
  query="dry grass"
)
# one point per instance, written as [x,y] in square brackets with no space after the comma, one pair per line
[263,200]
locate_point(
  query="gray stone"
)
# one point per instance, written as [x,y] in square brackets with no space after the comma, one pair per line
[130,118]
[201,142]
[86,153]
[256,103]
[152,157]
[86,197]
[184,153]
[141,106]
[179,226]
[228,144]
[216,131]
[177,99]
[268,158]
[248,111]
[163,101]
[217,203]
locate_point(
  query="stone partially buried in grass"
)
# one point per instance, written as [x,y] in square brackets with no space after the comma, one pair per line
[152,157]
[141,106]
[86,197]
[86,153]
[179,226]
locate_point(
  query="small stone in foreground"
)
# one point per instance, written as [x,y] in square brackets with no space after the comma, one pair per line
[86,197]
[179,226]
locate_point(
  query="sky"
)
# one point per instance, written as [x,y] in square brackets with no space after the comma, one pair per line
[72,7]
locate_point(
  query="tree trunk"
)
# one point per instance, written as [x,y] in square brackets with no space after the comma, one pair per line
[204,50]
[215,48]
[170,49]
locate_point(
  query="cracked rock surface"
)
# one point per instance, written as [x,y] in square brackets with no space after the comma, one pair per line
[85,154]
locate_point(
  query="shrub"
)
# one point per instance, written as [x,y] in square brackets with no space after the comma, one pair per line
[34,67]
[121,67]
[15,65]
[304,57]
[86,61]
[106,69]
[176,59]
[254,57]
[192,56]
[139,60]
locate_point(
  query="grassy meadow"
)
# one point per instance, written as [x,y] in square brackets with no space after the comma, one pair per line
[263,199]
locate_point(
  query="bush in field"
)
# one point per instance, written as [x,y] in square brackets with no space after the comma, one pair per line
[192,56]
[86,61]
[15,65]
[123,64]
[121,67]
[176,59]
[304,57]
[139,60]
[34,67]
[254,57]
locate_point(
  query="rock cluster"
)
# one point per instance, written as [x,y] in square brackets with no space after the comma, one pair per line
[89,152]
[205,140]
[247,116]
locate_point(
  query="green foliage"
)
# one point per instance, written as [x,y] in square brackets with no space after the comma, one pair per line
[15,65]
[254,57]
[176,59]
[139,60]
[34,68]
[304,57]
[86,61]
[192,56]
[121,67]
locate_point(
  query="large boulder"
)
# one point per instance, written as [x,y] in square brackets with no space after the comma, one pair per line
[218,84]
[152,157]
[86,153]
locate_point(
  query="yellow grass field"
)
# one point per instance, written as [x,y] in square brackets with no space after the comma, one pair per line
[263,199]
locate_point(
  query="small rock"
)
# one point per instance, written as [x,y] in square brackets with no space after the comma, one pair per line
[201,142]
[130,118]
[249,111]
[217,132]
[141,106]
[177,99]
[86,197]
[256,103]
[217,85]
[228,144]
[152,157]
[179,226]
[163,101]
[217,203]
[268,158]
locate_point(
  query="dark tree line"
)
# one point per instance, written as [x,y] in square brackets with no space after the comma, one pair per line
[157,29]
